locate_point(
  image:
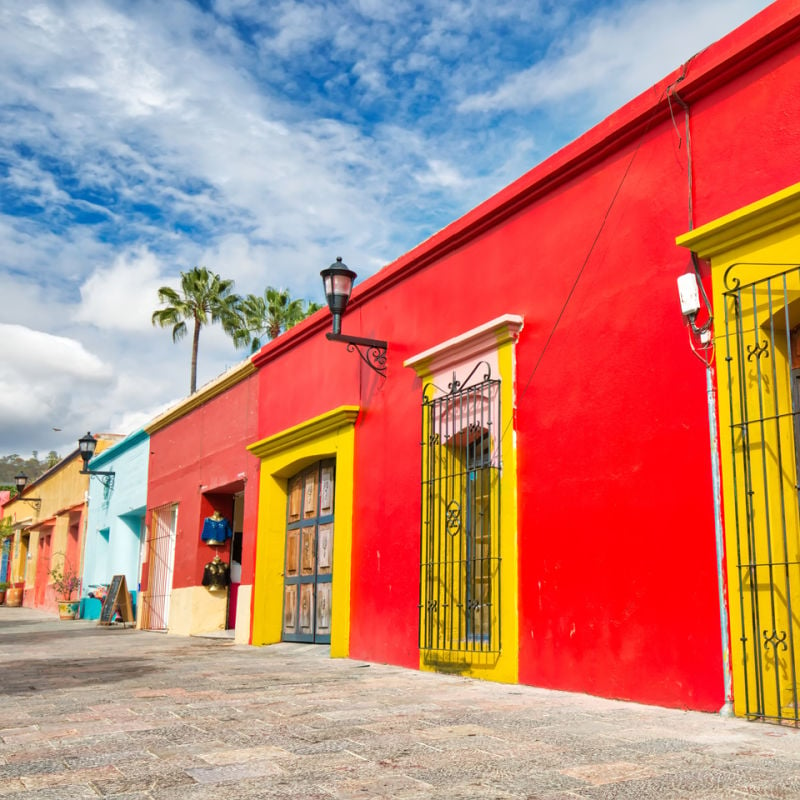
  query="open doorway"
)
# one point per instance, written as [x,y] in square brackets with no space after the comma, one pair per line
[235,558]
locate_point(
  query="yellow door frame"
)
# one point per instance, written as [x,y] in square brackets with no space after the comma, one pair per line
[284,454]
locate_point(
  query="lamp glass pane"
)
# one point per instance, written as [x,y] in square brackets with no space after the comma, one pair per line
[87,445]
[342,284]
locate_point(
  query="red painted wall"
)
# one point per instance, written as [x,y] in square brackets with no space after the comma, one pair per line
[200,458]
[618,593]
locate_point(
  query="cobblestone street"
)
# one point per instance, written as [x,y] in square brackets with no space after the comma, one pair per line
[92,712]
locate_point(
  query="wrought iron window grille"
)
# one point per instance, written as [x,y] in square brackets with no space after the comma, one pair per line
[460,542]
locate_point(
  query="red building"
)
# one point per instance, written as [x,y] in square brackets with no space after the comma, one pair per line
[199,470]
[527,494]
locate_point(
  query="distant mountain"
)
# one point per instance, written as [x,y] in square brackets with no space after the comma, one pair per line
[33,467]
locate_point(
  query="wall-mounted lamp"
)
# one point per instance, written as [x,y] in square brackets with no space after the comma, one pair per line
[338,282]
[20,479]
[87,445]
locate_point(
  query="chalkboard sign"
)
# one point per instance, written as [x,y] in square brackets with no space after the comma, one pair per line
[117,599]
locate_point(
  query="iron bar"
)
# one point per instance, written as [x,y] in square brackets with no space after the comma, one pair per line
[767,418]
[763,350]
[785,538]
[742,541]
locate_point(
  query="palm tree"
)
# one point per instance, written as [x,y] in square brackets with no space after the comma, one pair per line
[204,298]
[270,314]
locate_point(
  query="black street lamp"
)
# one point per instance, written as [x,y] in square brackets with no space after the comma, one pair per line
[20,479]
[86,446]
[337,280]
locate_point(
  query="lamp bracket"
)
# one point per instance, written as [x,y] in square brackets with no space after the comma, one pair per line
[106,478]
[371,351]
[36,502]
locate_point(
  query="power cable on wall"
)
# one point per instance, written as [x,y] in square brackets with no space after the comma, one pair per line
[577,279]
[669,92]
[703,332]
[673,93]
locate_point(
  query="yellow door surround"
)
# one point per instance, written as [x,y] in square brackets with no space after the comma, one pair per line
[284,454]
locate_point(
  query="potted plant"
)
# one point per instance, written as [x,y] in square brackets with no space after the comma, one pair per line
[3,587]
[66,582]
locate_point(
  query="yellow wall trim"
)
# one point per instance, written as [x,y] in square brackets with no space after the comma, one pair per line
[314,428]
[202,395]
[747,224]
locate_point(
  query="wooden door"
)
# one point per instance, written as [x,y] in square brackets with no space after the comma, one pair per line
[308,569]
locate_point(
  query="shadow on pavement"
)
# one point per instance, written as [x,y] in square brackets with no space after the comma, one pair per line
[15,623]
[28,637]
[25,676]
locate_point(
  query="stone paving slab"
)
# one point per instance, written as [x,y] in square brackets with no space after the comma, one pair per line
[93,712]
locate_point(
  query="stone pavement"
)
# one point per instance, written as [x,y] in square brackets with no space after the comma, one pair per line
[89,712]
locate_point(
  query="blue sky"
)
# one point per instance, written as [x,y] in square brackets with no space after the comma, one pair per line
[262,139]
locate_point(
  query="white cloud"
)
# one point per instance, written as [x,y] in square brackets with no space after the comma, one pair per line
[32,352]
[122,296]
[440,173]
[127,421]
[263,140]
[608,59]
[39,374]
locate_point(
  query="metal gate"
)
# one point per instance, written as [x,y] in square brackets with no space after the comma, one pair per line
[460,542]
[762,517]
[160,550]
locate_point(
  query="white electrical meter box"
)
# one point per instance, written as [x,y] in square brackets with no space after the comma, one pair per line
[689,295]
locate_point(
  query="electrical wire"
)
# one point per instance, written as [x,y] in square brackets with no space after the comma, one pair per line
[670,93]
[709,348]
[575,282]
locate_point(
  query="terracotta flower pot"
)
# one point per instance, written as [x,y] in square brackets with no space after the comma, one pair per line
[14,597]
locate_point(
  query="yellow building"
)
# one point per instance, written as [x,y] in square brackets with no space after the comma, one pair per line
[49,518]
[756,298]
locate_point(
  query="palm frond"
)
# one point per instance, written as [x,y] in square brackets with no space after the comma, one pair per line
[204,298]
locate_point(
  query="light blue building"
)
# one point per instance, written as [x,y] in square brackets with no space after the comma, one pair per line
[115,526]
